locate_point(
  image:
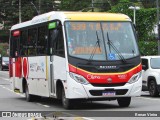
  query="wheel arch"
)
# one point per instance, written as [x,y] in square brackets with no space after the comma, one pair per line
[59,87]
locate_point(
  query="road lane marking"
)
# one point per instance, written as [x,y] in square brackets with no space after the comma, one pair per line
[12,91]
[43,105]
[3,72]
[8,89]
[6,79]
[22,95]
[46,106]
[87,118]
[149,98]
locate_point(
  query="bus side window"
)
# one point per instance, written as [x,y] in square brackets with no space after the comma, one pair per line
[53,33]
[42,40]
[14,50]
[32,41]
[23,43]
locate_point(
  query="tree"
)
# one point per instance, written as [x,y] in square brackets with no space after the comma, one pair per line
[148,3]
[3,49]
[145,21]
[74,5]
[145,18]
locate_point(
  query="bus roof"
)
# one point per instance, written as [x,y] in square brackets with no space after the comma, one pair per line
[73,16]
[96,16]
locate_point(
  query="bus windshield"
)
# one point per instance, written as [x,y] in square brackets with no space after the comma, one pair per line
[101,40]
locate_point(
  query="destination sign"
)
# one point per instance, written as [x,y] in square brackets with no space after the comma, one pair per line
[95,26]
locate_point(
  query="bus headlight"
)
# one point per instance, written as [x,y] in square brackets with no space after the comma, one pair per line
[78,78]
[135,78]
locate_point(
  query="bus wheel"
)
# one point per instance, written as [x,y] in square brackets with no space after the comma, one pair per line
[29,97]
[152,87]
[65,102]
[124,101]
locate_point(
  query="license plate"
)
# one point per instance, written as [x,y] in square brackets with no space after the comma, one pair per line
[108,93]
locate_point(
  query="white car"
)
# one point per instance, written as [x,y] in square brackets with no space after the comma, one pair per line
[151,74]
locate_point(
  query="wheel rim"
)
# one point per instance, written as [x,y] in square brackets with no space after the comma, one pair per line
[152,88]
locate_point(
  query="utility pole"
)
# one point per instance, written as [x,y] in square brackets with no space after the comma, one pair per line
[92,6]
[134,8]
[158,26]
[20,12]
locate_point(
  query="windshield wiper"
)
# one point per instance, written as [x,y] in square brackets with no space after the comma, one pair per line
[114,48]
[95,47]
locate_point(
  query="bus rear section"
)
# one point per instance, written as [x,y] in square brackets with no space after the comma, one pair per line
[78,56]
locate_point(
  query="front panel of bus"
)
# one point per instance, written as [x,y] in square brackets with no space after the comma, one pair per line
[103,59]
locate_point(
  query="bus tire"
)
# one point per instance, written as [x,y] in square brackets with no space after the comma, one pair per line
[65,101]
[124,101]
[29,97]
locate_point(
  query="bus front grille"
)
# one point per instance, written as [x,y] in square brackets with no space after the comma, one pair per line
[108,85]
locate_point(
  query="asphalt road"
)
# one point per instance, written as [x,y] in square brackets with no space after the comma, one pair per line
[140,108]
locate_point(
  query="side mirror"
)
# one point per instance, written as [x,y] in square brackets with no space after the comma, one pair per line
[144,67]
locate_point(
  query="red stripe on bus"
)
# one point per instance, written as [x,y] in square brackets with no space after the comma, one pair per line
[25,67]
[18,67]
[100,78]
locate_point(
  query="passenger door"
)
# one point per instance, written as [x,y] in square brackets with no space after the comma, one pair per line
[57,57]
[53,33]
[15,71]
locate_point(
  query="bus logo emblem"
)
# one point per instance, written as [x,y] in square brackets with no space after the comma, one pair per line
[109,80]
[89,76]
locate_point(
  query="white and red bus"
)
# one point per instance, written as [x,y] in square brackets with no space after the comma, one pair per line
[75,56]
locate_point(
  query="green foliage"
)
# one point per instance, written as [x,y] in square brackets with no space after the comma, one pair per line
[102,5]
[9,10]
[3,49]
[148,3]
[145,18]
[74,5]
[145,21]
[148,48]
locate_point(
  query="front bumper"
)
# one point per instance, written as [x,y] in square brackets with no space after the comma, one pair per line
[79,91]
